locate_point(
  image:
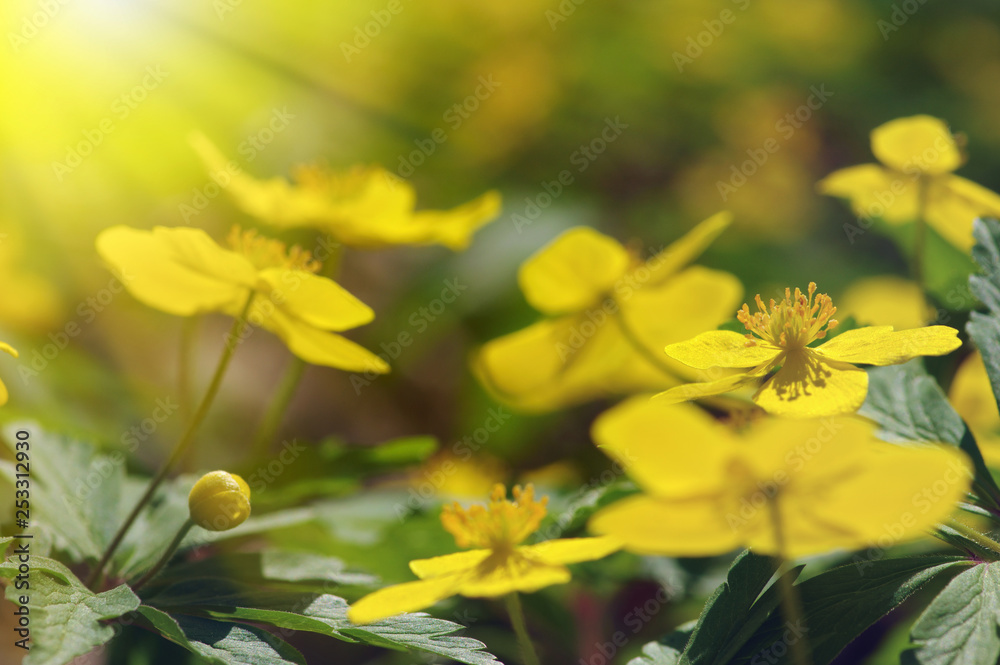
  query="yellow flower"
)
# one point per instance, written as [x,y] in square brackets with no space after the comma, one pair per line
[498,565]
[918,155]
[887,300]
[808,381]
[364,207]
[786,487]
[972,396]
[607,314]
[219,501]
[184,272]
[6,348]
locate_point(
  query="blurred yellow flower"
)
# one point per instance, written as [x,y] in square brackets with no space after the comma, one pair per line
[608,312]
[183,271]
[32,302]
[6,348]
[499,565]
[790,488]
[972,396]
[918,155]
[365,207]
[887,300]
[809,382]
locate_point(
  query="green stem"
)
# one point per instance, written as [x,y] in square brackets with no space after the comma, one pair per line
[920,238]
[633,339]
[276,410]
[167,554]
[791,604]
[978,538]
[528,653]
[185,356]
[232,340]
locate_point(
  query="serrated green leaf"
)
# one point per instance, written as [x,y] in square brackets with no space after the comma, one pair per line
[325,614]
[582,506]
[220,642]
[65,616]
[727,610]
[840,604]
[909,405]
[960,626]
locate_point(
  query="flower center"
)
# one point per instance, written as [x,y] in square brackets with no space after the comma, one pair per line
[500,525]
[269,253]
[794,322]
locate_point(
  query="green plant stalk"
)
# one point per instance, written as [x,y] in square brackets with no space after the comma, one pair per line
[271,421]
[516,612]
[167,554]
[791,604]
[182,446]
[978,538]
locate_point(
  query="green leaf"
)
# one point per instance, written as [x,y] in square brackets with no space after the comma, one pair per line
[320,613]
[220,642]
[840,604]
[65,617]
[718,630]
[665,652]
[581,506]
[984,329]
[909,405]
[960,626]
[304,568]
[75,492]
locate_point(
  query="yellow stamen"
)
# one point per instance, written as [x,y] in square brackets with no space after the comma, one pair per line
[269,253]
[794,322]
[501,525]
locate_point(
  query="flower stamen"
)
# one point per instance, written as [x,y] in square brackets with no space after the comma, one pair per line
[266,252]
[794,323]
[501,525]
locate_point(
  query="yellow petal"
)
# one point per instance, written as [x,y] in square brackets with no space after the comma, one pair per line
[886,300]
[808,387]
[879,345]
[692,301]
[919,142]
[454,228]
[512,573]
[408,597]
[320,347]
[317,301]
[179,271]
[874,192]
[572,272]
[7,348]
[894,495]
[3,394]
[722,348]
[570,550]
[646,525]
[669,449]
[952,205]
[448,564]
[692,391]
[687,248]
[972,394]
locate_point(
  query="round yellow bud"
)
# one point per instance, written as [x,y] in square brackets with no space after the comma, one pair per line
[219,501]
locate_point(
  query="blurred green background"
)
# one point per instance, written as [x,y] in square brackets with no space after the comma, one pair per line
[101,96]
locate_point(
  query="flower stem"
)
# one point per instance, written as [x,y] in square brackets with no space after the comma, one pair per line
[276,410]
[920,237]
[167,554]
[528,653]
[232,340]
[791,604]
[652,358]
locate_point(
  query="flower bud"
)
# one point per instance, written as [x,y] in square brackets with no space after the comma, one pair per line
[219,501]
